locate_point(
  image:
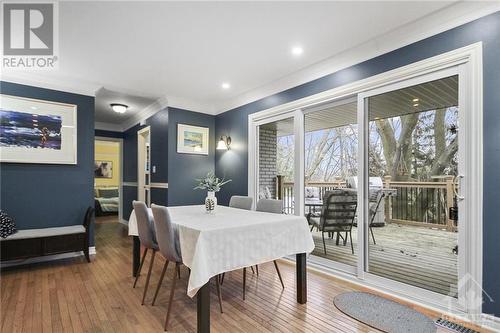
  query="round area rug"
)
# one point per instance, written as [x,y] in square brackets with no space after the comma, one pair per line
[383,314]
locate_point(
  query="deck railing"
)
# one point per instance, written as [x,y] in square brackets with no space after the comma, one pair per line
[423,204]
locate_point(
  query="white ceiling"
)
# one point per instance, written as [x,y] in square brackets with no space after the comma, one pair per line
[183,51]
[105,97]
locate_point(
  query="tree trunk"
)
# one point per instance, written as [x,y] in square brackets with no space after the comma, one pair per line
[386,133]
[402,156]
[439,132]
[441,162]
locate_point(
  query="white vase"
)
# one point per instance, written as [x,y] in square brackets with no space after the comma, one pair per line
[211,202]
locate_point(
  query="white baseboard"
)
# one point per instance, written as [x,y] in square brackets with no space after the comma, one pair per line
[490,322]
[35,260]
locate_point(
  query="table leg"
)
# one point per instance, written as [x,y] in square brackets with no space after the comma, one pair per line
[203,307]
[301,278]
[136,255]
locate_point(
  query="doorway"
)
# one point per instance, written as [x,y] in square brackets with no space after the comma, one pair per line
[108,179]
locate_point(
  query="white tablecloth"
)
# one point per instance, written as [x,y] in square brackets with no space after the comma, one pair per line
[233,238]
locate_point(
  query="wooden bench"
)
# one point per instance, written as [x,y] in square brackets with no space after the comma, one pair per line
[31,243]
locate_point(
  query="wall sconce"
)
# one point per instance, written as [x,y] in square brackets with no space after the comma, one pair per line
[224,143]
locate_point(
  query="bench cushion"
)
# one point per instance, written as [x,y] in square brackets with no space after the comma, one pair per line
[46,232]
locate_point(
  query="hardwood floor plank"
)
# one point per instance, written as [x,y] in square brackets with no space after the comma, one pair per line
[74,296]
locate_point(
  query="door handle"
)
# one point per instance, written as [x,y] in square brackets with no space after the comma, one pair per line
[458,188]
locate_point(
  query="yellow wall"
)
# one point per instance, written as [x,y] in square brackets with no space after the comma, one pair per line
[108,151]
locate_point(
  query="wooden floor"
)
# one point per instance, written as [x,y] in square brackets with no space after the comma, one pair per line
[74,296]
[417,256]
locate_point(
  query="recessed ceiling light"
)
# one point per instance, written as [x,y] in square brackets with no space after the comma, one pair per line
[415,100]
[297,50]
[33,107]
[225,85]
[415,105]
[119,108]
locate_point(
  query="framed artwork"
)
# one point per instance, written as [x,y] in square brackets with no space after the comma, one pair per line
[37,131]
[192,139]
[103,169]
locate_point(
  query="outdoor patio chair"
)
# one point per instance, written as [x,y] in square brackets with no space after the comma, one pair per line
[337,214]
[375,199]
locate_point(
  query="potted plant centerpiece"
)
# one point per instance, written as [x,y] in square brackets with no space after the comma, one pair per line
[212,184]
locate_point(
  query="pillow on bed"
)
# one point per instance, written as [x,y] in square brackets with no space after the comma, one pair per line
[108,192]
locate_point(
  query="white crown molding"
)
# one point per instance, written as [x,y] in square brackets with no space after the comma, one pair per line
[40,81]
[433,24]
[191,105]
[437,22]
[145,113]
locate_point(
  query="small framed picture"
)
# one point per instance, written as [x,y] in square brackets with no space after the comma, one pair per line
[37,131]
[192,139]
[103,169]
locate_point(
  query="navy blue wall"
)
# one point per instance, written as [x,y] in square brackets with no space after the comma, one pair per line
[178,170]
[42,195]
[234,163]
[184,168]
[159,147]
[129,169]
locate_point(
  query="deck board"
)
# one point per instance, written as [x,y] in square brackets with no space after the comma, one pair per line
[417,256]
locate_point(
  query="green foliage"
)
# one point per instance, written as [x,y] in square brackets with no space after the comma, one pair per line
[210,183]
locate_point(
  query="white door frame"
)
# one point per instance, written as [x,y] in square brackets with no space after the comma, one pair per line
[253,145]
[120,185]
[469,61]
[141,159]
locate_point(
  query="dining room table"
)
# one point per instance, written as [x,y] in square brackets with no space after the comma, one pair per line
[230,239]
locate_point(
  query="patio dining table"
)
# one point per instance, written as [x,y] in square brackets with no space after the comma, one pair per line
[231,239]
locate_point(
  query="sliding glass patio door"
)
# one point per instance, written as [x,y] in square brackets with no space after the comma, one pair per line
[412,162]
[408,144]
[331,162]
[277,147]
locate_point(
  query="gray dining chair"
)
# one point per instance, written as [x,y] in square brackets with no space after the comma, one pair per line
[147,239]
[241,202]
[267,206]
[168,242]
[337,214]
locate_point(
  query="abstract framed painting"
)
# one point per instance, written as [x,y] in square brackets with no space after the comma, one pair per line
[192,139]
[37,131]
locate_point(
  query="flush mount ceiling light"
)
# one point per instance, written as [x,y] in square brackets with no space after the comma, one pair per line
[297,50]
[119,108]
[224,143]
[225,85]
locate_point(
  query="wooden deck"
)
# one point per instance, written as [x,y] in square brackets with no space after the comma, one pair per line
[417,256]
